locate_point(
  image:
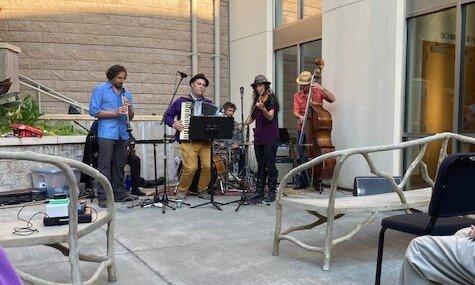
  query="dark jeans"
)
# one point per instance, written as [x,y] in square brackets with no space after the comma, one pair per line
[134,162]
[266,170]
[112,157]
[301,179]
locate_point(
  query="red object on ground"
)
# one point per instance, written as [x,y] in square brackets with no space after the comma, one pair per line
[24,131]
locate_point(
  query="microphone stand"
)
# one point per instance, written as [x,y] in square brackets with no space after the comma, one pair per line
[164,199]
[242,199]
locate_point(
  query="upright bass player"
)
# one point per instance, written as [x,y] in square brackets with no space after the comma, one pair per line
[301,104]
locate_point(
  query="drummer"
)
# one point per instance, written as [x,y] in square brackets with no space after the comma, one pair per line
[233,144]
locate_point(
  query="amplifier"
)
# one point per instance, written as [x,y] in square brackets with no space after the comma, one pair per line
[371,185]
[283,151]
[284,165]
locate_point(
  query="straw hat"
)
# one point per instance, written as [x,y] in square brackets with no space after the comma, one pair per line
[304,78]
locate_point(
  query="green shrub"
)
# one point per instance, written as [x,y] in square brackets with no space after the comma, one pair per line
[27,112]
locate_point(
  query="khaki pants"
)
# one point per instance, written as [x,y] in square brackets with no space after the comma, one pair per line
[190,152]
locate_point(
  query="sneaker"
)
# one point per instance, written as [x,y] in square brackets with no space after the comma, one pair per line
[204,195]
[180,195]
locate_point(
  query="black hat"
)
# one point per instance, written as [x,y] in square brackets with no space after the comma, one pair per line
[199,76]
[260,79]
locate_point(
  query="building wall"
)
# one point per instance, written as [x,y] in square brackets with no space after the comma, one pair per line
[68,45]
[250,47]
[363,47]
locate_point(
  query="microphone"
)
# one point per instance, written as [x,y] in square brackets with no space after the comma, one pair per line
[182,74]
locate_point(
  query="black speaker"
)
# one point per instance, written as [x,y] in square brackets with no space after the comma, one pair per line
[371,185]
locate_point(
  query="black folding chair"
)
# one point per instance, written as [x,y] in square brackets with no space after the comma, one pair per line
[452,198]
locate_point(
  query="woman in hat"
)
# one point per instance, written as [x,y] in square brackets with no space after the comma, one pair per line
[300,103]
[265,108]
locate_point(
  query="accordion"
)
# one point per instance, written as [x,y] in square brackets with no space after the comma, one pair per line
[195,109]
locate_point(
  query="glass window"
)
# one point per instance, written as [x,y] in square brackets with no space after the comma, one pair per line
[430,72]
[286,11]
[311,8]
[467,111]
[309,52]
[285,85]
[429,82]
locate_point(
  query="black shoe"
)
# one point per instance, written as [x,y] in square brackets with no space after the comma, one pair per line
[270,198]
[152,183]
[256,197]
[102,203]
[138,192]
[299,187]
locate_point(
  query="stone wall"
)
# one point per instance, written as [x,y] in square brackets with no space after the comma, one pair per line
[68,45]
[16,174]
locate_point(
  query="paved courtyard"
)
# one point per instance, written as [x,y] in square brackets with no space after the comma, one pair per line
[207,246]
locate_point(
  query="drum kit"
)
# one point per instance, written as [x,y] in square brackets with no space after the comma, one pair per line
[226,166]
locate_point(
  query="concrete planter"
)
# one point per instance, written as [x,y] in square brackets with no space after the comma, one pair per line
[15,174]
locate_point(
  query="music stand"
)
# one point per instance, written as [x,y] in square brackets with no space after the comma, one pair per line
[154,143]
[209,129]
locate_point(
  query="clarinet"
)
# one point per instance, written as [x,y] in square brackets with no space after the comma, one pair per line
[127,120]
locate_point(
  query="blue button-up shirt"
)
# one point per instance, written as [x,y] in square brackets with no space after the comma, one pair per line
[105,99]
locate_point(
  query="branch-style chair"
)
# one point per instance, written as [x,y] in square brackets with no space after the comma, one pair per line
[55,236]
[327,210]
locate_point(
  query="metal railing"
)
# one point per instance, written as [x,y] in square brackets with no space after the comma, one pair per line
[44,90]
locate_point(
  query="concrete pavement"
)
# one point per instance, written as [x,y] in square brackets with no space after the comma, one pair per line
[207,246]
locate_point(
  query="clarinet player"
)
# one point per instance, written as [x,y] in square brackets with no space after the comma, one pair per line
[111,104]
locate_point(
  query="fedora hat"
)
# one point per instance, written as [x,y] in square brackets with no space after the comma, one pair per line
[304,78]
[260,79]
[199,76]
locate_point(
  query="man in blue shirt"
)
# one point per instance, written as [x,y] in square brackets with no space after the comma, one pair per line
[112,105]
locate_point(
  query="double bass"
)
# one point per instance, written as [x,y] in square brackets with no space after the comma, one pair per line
[317,126]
